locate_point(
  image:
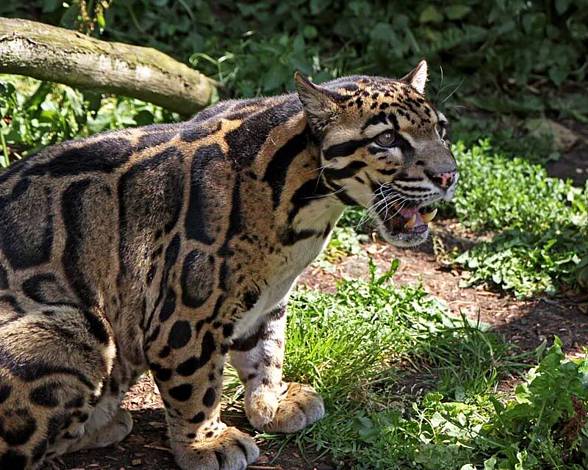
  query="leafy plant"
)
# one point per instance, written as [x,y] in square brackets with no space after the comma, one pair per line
[540,224]
[548,413]
[35,114]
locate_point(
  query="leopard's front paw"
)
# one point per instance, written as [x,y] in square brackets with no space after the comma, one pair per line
[230,450]
[291,409]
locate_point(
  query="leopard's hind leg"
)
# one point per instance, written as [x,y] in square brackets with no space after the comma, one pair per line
[270,404]
[53,365]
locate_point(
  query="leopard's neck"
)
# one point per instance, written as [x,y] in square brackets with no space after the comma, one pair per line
[280,184]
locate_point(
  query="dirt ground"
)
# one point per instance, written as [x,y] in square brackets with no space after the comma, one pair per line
[524,323]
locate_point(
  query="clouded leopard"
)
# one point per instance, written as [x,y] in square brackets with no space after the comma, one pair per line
[172,248]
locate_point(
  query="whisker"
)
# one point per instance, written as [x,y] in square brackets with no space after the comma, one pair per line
[322,196]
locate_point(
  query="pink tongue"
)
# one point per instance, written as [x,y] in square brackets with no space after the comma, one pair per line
[408,213]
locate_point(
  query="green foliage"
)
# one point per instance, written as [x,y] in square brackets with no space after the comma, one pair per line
[370,345]
[360,326]
[547,413]
[506,49]
[36,114]
[540,223]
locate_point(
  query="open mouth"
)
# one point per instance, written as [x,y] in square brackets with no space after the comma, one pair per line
[410,220]
[408,226]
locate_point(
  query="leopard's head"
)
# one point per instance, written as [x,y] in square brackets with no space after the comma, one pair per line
[383,146]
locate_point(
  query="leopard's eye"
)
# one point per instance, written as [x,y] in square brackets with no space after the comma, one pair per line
[385,139]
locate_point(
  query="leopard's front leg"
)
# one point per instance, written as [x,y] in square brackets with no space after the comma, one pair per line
[188,370]
[270,404]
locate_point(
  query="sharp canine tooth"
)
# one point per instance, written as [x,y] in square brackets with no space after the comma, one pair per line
[411,223]
[430,216]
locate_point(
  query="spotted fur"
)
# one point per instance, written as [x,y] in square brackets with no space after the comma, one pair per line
[172,248]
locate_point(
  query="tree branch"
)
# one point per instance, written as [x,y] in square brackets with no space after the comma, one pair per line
[61,55]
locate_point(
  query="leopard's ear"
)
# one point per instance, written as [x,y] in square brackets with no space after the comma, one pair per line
[320,105]
[417,77]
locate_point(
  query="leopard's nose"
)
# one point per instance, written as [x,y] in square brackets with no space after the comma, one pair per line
[443,180]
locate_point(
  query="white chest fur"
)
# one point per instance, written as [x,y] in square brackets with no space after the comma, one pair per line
[300,255]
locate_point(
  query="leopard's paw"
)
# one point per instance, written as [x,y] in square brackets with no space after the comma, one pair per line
[114,431]
[289,410]
[230,450]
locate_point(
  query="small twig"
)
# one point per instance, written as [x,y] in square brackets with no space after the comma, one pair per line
[151,446]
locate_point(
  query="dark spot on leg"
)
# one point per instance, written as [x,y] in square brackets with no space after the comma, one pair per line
[190,365]
[209,397]
[198,418]
[76,402]
[96,326]
[169,306]
[45,395]
[4,392]
[13,460]
[161,373]
[46,289]
[39,450]
[249,299]
[17,427]
[181,392]
[180,334]
[165,351]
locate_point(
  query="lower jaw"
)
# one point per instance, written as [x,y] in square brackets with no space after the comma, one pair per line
[404,239]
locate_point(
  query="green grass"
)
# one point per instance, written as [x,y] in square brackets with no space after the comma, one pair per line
[370,347]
